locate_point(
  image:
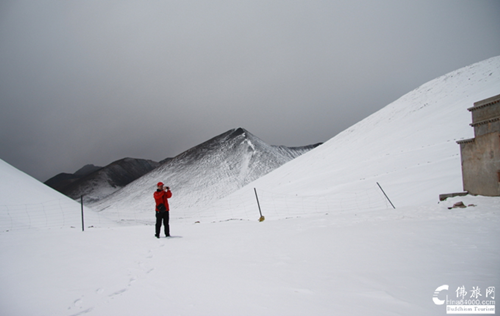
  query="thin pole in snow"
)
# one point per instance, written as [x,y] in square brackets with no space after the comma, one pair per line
[81,202]
[262,218]
[386,195]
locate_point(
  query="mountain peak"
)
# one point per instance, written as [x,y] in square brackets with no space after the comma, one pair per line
[239,131]
[207,172]
[87,169]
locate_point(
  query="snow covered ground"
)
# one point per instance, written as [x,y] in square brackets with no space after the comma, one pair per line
[381,263]
[331,243]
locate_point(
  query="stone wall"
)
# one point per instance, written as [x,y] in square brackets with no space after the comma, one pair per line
[481,154]
[481,164]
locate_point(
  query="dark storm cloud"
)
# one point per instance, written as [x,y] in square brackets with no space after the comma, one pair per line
[94,81]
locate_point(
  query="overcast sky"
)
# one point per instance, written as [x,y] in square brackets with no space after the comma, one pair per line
[93,81]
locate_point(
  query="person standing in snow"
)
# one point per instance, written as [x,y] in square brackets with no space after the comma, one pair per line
[161,196]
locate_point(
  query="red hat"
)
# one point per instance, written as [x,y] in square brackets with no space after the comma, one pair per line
[160,184]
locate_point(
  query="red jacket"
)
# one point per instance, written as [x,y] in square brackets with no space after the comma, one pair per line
[161,197]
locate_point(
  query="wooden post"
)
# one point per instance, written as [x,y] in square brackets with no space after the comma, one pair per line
[386,196]
[81,202]
[262,218]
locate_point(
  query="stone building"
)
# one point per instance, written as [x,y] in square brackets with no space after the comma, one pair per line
[481,154]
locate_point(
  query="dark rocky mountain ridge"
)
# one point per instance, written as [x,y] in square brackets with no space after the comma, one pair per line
[62,180]
[95,183]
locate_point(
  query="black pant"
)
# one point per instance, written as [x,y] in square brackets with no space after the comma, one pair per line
[165,217]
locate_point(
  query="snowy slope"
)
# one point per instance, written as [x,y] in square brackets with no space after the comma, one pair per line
[27,203]
[202,174]
[409,147]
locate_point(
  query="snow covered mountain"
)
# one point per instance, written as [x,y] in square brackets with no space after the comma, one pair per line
[205,173]
[364,262]
[409,147]
[97,183]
